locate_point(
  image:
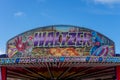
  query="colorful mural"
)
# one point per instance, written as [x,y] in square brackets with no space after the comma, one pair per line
[60,40]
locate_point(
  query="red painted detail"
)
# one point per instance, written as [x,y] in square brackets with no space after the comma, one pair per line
[4,73]
[118,72]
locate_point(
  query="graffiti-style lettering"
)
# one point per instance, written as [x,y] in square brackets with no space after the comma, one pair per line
[39,39]
[49,39]
[62,39]
[72,37]
[57,39]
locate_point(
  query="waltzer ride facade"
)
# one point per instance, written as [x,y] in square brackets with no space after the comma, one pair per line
[60,52]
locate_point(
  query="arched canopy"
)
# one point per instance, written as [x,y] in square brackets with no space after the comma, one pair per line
[60,40]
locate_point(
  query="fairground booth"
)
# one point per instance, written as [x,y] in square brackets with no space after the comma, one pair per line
[60,52]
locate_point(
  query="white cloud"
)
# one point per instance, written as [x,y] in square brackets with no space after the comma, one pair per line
[19,14]
[107,1]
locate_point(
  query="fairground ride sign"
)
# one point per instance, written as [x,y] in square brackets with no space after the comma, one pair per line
[60,40]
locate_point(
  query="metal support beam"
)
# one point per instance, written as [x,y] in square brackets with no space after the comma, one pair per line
[21,74]
[103,74]
[62,74]
[98,72]
[75,74]
[17,77]
[35,73]
[51,74]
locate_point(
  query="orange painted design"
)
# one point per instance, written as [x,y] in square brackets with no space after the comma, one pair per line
[63,52]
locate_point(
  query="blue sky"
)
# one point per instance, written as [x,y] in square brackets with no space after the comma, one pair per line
[17,16]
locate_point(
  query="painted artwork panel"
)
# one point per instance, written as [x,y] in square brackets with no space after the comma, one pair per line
[60,40]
